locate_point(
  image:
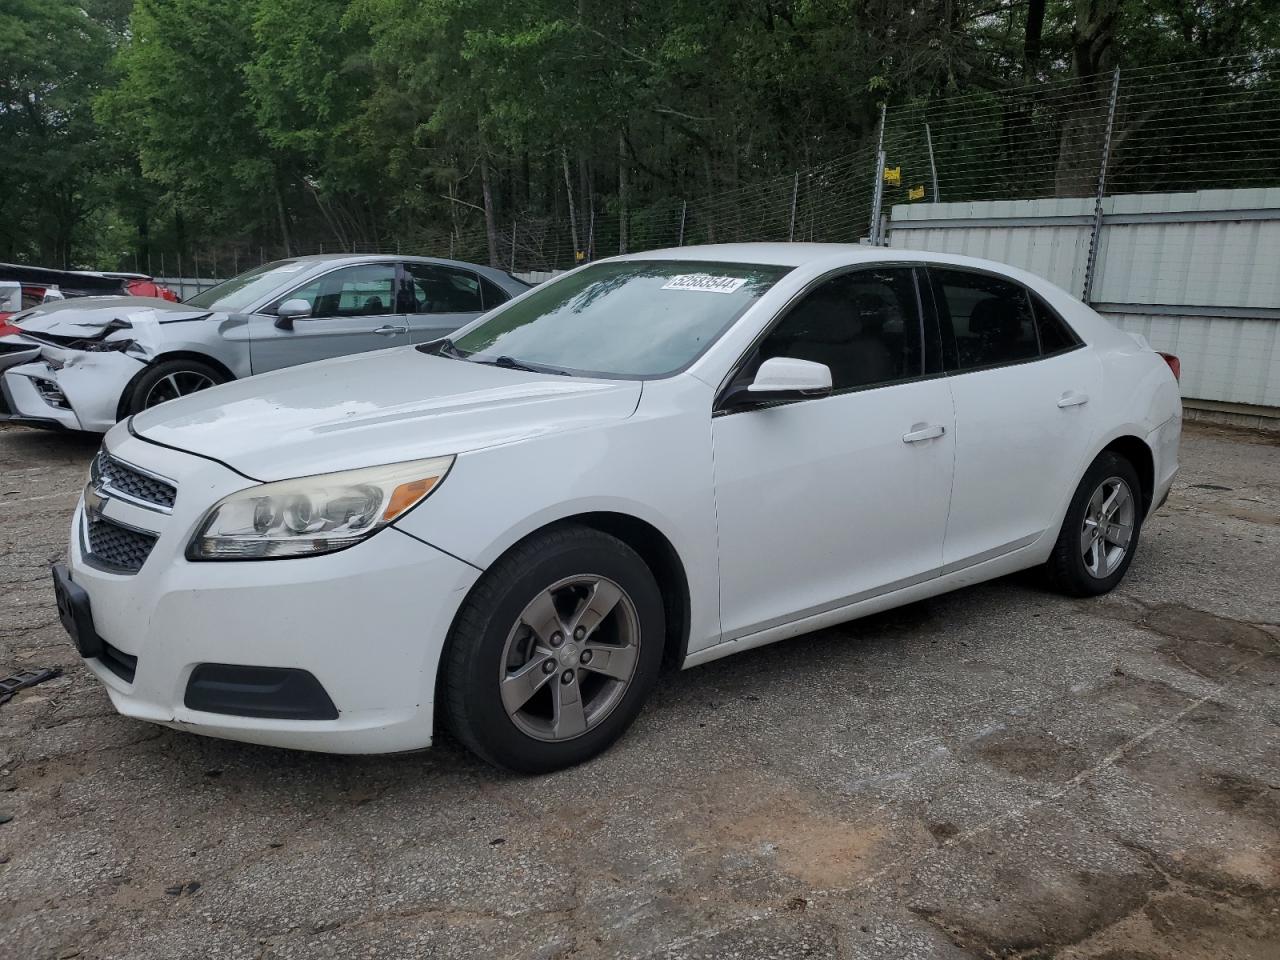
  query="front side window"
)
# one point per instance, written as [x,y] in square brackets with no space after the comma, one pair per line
[436,289]
[363,290]
[990,318]
[632,318]
[864,326]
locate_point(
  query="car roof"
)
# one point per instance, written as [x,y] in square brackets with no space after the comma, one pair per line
[820,257]
[805,254]
[381,257]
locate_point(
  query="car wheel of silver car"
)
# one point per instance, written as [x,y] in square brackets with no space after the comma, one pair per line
[169,380]
[554,651]
[1100,532]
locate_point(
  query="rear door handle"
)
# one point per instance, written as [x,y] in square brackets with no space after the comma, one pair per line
[921,431]
[1073,399]
[387,330]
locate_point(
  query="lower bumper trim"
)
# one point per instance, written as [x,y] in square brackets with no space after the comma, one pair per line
[280,693]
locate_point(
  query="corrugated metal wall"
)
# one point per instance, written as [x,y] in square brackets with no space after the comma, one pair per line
[1198,274]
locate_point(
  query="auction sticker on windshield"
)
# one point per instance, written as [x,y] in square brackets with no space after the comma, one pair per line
[705,282]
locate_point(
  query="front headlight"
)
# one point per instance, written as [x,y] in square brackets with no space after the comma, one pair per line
[312,515]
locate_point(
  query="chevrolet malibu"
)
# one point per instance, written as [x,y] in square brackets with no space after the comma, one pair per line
[656,460]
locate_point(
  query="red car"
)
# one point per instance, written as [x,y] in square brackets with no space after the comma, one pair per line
[140,285]
[24,287]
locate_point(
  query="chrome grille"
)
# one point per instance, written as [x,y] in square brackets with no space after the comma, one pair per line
[115,546]
[117,478]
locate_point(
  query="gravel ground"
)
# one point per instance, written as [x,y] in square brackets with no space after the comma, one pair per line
[997,773]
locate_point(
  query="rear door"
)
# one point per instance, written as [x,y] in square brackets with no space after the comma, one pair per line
[438,299]
[1022,383]
[352,311]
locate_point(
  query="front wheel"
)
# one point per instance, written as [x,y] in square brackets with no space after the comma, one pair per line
[554,651]
[1099,535]
[170,379]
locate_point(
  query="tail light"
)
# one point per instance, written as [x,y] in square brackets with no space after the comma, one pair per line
[1174,364]
[8,329]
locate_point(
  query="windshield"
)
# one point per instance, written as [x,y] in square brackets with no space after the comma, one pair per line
[249,287]
[633,318]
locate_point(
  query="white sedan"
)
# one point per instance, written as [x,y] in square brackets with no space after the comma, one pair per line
[656,460]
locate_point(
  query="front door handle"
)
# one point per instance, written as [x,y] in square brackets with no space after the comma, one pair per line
[389,331]
[923,431]
[1073,399]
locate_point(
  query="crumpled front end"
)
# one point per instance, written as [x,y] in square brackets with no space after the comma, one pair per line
[71,362]
[67,389]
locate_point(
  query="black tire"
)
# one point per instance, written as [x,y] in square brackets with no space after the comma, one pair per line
[154,378]
[471,699]
[1066,569]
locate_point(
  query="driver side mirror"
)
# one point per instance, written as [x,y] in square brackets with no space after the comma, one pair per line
[290,310]
[782,379]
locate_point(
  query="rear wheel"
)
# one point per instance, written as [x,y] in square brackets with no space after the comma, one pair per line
[171,379]
[554,652]
[1099,535]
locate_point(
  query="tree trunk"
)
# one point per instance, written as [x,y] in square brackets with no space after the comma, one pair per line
[282,216]
[624,212]
[490,226]
[1032,38]
[1092,57]
[573,215]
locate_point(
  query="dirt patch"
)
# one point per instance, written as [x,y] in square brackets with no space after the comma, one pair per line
[1252,797]
[942,832]
[1033,910]
[1180,925]
[1035,756]
[1184,623]
[819,848]
[1152,701]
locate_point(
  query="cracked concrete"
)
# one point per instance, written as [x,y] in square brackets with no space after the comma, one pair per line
[997,773]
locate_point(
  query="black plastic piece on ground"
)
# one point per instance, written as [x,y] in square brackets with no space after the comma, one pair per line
[280,693]
[27,678]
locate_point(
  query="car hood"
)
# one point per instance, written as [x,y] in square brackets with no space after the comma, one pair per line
[90,316]
[375,408]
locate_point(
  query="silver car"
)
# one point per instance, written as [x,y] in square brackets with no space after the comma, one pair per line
[85,364]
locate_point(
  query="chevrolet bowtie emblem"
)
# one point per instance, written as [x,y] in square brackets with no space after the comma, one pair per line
[93,502]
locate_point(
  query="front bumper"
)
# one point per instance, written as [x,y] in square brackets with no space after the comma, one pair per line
[368,623]
[90,386]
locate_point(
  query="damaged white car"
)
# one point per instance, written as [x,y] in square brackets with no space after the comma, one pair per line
[85,364]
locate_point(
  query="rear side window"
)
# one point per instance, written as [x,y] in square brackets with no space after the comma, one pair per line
[1055,335]
[493,294]
[437,289]
[989,318]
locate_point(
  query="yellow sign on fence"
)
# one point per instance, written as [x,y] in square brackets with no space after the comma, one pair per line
[915,193]
[893,176]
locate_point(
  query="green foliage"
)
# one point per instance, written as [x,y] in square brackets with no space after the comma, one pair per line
[247,126]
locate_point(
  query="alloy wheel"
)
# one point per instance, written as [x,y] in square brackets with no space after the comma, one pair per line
[177,385]
[569,658]
[1108,527]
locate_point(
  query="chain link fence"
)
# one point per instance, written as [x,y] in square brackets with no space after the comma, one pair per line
[1179,127]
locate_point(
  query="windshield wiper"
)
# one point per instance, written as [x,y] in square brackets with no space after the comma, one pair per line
[510,363]
[443,348]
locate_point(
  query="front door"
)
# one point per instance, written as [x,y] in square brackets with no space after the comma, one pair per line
[352,311]
[824,502]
